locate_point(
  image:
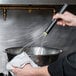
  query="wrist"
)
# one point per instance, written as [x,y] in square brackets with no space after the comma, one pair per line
[41,71]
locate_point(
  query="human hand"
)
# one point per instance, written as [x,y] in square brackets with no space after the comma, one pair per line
[26,71]
[66,18]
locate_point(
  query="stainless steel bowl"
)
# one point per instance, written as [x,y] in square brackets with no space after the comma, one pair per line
[43,55]
[40,55]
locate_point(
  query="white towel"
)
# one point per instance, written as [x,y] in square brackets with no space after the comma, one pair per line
[3,62]
[20,61]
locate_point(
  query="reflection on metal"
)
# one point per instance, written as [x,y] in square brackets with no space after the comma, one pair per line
[4,13]
[29,10]
[25,7]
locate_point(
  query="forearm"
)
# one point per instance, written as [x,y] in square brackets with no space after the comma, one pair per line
[41,71]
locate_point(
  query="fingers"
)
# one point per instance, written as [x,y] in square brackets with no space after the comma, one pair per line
[62,16]
[59,16]
[61,23]
[16,70]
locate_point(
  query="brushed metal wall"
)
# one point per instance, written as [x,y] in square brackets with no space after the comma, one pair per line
[22,27]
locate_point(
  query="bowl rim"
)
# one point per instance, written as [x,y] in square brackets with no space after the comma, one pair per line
[7,50]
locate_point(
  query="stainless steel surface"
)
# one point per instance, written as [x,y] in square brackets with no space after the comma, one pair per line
[42,51]
[40,55]
[43,55]
[22,27]
[37,1]
[13,50]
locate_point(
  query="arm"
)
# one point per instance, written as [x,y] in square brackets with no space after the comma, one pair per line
[67,18]
[28,70]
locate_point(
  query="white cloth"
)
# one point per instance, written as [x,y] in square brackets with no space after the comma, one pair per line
[3,62]
[19,61]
